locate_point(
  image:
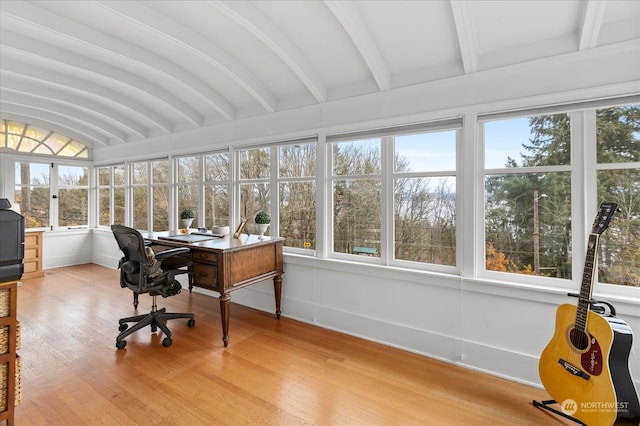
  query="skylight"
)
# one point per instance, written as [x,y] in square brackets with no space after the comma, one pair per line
[22,137]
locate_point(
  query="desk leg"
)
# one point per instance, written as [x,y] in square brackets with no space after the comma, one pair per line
[277,289]
[224,314]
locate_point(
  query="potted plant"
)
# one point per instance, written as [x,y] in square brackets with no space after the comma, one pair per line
[262,220]
[187,216]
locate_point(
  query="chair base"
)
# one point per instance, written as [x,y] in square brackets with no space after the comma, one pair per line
[156,319]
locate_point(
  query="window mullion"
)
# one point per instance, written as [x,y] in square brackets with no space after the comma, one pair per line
[386,200]
[54,198]
[200,192]
[149,196]
[274,192]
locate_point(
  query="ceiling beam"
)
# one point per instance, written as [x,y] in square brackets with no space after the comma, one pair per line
[466,38]
[349,17]
[56,107]
[175,32]
[55,122]
[22,79]
[121,50]
[128,81]
[251,19]
[591,23]
[71,85]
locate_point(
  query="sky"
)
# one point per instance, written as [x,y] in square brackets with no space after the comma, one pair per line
[436,151]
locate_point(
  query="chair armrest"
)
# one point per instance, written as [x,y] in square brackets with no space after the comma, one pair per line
[161,255]
[130,267]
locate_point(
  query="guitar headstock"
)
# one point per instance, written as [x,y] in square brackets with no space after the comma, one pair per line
[604,216]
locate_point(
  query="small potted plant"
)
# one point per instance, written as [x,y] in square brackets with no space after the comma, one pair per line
[187,216]
[262,220]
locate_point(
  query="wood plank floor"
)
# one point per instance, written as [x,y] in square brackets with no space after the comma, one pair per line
[273,372]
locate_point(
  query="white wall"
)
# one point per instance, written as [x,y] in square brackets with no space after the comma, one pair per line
[67,248]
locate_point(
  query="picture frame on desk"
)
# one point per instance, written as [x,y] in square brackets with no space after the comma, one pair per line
[240,228]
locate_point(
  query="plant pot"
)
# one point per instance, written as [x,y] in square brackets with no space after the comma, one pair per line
[186,223]
[262,228]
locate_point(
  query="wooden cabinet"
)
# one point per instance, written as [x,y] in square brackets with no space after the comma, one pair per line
[32,255]
[8,349]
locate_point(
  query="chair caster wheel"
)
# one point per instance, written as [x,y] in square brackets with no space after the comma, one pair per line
[123,326]
[154,328]
[191,323]
[166,342]
[121,344]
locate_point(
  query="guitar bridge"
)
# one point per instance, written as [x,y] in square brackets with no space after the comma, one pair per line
[573,369]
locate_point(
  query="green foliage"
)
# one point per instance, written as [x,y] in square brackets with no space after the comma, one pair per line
[262,217]
[187,214]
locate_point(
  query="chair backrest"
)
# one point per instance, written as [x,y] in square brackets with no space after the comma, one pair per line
[134,264]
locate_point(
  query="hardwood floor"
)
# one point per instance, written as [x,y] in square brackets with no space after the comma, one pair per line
[273,372]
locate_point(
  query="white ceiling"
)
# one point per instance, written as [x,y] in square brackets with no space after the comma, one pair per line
[112,72]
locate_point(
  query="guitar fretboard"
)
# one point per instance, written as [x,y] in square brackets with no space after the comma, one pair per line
[587,282]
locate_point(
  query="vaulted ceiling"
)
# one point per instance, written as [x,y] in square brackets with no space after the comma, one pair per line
[112,72]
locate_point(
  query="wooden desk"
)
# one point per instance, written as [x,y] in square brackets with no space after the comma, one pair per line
[227,264]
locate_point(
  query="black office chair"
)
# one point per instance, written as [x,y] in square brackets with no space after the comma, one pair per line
[141,275]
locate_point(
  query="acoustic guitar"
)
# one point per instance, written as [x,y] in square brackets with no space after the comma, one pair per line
[585,366]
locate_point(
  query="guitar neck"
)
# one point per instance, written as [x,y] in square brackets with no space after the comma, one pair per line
[586,289]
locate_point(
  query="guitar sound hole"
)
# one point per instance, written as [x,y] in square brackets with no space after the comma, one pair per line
[579,339]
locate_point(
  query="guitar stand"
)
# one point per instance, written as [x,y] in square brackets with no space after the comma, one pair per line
[545,405]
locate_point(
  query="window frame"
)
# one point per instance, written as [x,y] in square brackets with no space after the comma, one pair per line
[274,180]
[584,204]
[387,176]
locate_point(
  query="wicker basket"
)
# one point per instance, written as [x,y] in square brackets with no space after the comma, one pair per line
[4,338]
[3,384]
[4,302]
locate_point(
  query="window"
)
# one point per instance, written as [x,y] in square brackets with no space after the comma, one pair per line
[119,182]
[618,180]
[412,169]
[159,188]
[148,188]
[52,195]
[25,138]
[150,195]
[356,188]
[255,184]
[282,177]
[33,192]
[111,195]
[528,186]
[203,186]
[73,196]
[297,194]
[140,195]
[216,190]
[528,195]
[424,197]
[188,183]
[104,195]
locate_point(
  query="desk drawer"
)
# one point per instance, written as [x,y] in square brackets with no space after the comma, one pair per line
[205,275]
[203,256]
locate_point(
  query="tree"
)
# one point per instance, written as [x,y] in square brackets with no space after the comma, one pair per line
[510,198]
